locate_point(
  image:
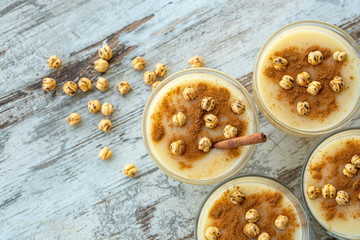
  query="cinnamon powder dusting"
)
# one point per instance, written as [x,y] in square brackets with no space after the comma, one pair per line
[195,125]
[230,218]
[335,164]
[325,101]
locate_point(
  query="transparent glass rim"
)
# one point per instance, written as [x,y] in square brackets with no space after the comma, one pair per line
[303,173]
[255,129]
[244,176]
[269,116]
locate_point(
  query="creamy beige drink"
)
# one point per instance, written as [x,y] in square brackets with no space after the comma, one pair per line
[262,203]
[193,163]
[327,108]
[339,214]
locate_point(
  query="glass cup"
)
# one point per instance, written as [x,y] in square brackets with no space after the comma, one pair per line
[215,194]
[226,81]
[282,125]
[351,132]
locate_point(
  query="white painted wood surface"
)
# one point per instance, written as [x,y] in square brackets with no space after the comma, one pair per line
[53,185]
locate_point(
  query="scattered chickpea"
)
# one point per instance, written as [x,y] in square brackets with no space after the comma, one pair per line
[286,82]
[342,198]
[350,170]
[105,125]
[281,222]
[149,77]
[212,233]
[252,215]
[70,88]
[102,84]
[107,109]
[160,70]
[303,108]
[154,85]
[189,94]
[303,79]
[230,131]
[130,170]
[238,107]
[207,104]
[123,87]
[105,53]
[94,106]
[179,119]
[237,197]
[328,191]
[54,62]
[177,148]
[73,119]
[337,84]
[211,121]
[356,160]
[205,144]
[264,236]
[101,65]
[48,84]
[138,63]
[280,63]
[314,58]
[85,84]
[196,61]
[314,88]
[340,56]
[313,192]
[251,230]
[105,153]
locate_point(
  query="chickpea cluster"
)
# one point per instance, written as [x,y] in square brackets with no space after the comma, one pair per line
[303,79]
[329,191]
[85,85]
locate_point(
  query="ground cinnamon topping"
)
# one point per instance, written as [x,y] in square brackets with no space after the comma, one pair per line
[194,128]
[335,164]
[229,218]
[325,101]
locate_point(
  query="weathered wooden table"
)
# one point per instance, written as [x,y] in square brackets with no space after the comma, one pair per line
[53,185]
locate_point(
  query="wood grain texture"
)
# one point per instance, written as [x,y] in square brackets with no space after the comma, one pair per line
[53,184]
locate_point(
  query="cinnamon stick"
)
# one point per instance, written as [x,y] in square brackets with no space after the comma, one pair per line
[241,141]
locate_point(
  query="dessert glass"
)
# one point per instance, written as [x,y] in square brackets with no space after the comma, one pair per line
[257,180]
[279,119]
[315,210]
[226,81]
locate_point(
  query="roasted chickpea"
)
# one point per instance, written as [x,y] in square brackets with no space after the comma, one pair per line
[303,79]
[205,144]
[211,121]
[237,197]
[286,82]
[356,160]
[337,84]
[54,62]
[230,131]
[313,192]
[94,106]
[48,84]
[105,153]
[179,119]
[342,198]
[130,170]
[102,84]
[251,230]
[281,222]
[314,88]
[85,84]
[340,56]
[105,53]
[196,61]
[280,63]
[149,77]
[105,125]
[328,191]
[189,94]
[138,63]
[212,233]
[154,85]
[160,70]
[123,87]
[73,119]
[350,170]
[70,88]
[314,58]
[238,107]
[252,215]
[177,148]
[101,65]
[107,109]
[207,104]
[303,108]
